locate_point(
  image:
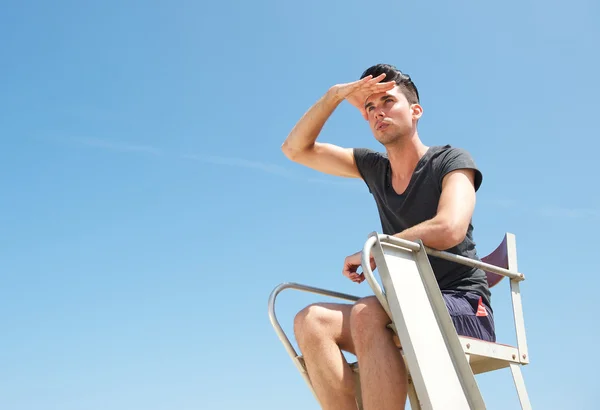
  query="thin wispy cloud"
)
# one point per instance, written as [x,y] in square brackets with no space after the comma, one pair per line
[570,213]
[241,163]
[265,167]
[554,212]
[117,145]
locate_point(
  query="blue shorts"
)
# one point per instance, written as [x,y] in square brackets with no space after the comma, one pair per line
[471,316]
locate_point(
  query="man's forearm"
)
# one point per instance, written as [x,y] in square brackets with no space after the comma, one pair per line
[435,233]
[305,132]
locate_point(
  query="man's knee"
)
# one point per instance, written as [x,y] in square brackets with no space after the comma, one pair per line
[367,315]
[310,322]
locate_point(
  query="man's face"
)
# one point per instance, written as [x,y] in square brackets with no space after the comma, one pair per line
[390,115]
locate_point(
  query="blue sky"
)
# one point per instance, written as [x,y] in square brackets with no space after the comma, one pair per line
[147,210]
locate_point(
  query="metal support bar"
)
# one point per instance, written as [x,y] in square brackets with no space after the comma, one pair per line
[520,386]
[279,330]
[517,302]
[413,246]
[296,286]
[366,267]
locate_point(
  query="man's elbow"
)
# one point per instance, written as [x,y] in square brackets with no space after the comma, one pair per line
[289,151]
[293,153]
[453,234]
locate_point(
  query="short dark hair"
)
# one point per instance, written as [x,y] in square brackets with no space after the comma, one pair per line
[408,88]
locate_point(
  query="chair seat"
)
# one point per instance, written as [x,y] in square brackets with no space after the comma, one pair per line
[486,356]
[483,356]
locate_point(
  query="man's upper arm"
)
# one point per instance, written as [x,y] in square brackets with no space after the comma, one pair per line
[459,180]
[329,159]
[457,201]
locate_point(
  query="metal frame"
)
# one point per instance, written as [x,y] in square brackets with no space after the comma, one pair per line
[516,300]
[468,356]
[297,359]
[435,360]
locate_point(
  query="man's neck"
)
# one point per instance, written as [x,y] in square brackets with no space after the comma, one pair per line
[405,155]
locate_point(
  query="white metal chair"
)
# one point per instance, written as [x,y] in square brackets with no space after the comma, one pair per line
[441,364]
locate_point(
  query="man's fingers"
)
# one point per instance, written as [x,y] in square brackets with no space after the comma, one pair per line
[369,80]
[375,82]
[349,88]
[373,264]
[357,278]
[351,264]
[386,85]
[366,80]
[379,87]
[368,83]
[363,91]
[377,79]
[349,270]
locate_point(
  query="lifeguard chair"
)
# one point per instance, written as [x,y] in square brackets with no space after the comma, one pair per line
[441,364]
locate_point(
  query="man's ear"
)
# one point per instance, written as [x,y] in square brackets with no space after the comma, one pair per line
[416,111]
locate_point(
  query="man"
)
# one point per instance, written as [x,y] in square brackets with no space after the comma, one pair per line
[421,192]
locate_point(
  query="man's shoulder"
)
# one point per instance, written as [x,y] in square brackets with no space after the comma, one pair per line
[442,154]
[447,158]
[445,151]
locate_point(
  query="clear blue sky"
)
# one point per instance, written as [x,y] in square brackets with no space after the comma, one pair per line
[147,211]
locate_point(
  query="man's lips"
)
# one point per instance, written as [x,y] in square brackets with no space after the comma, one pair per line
[381,125]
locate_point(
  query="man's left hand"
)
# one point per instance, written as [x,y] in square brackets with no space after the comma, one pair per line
[351,265]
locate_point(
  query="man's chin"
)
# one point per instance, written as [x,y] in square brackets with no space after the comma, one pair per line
[386,138]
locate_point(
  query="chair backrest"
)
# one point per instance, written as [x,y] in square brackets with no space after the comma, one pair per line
[499,257]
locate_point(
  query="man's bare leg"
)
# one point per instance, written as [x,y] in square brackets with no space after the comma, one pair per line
[321,330]
[383,375]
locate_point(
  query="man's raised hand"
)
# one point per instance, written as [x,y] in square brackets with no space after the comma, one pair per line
[356,92]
